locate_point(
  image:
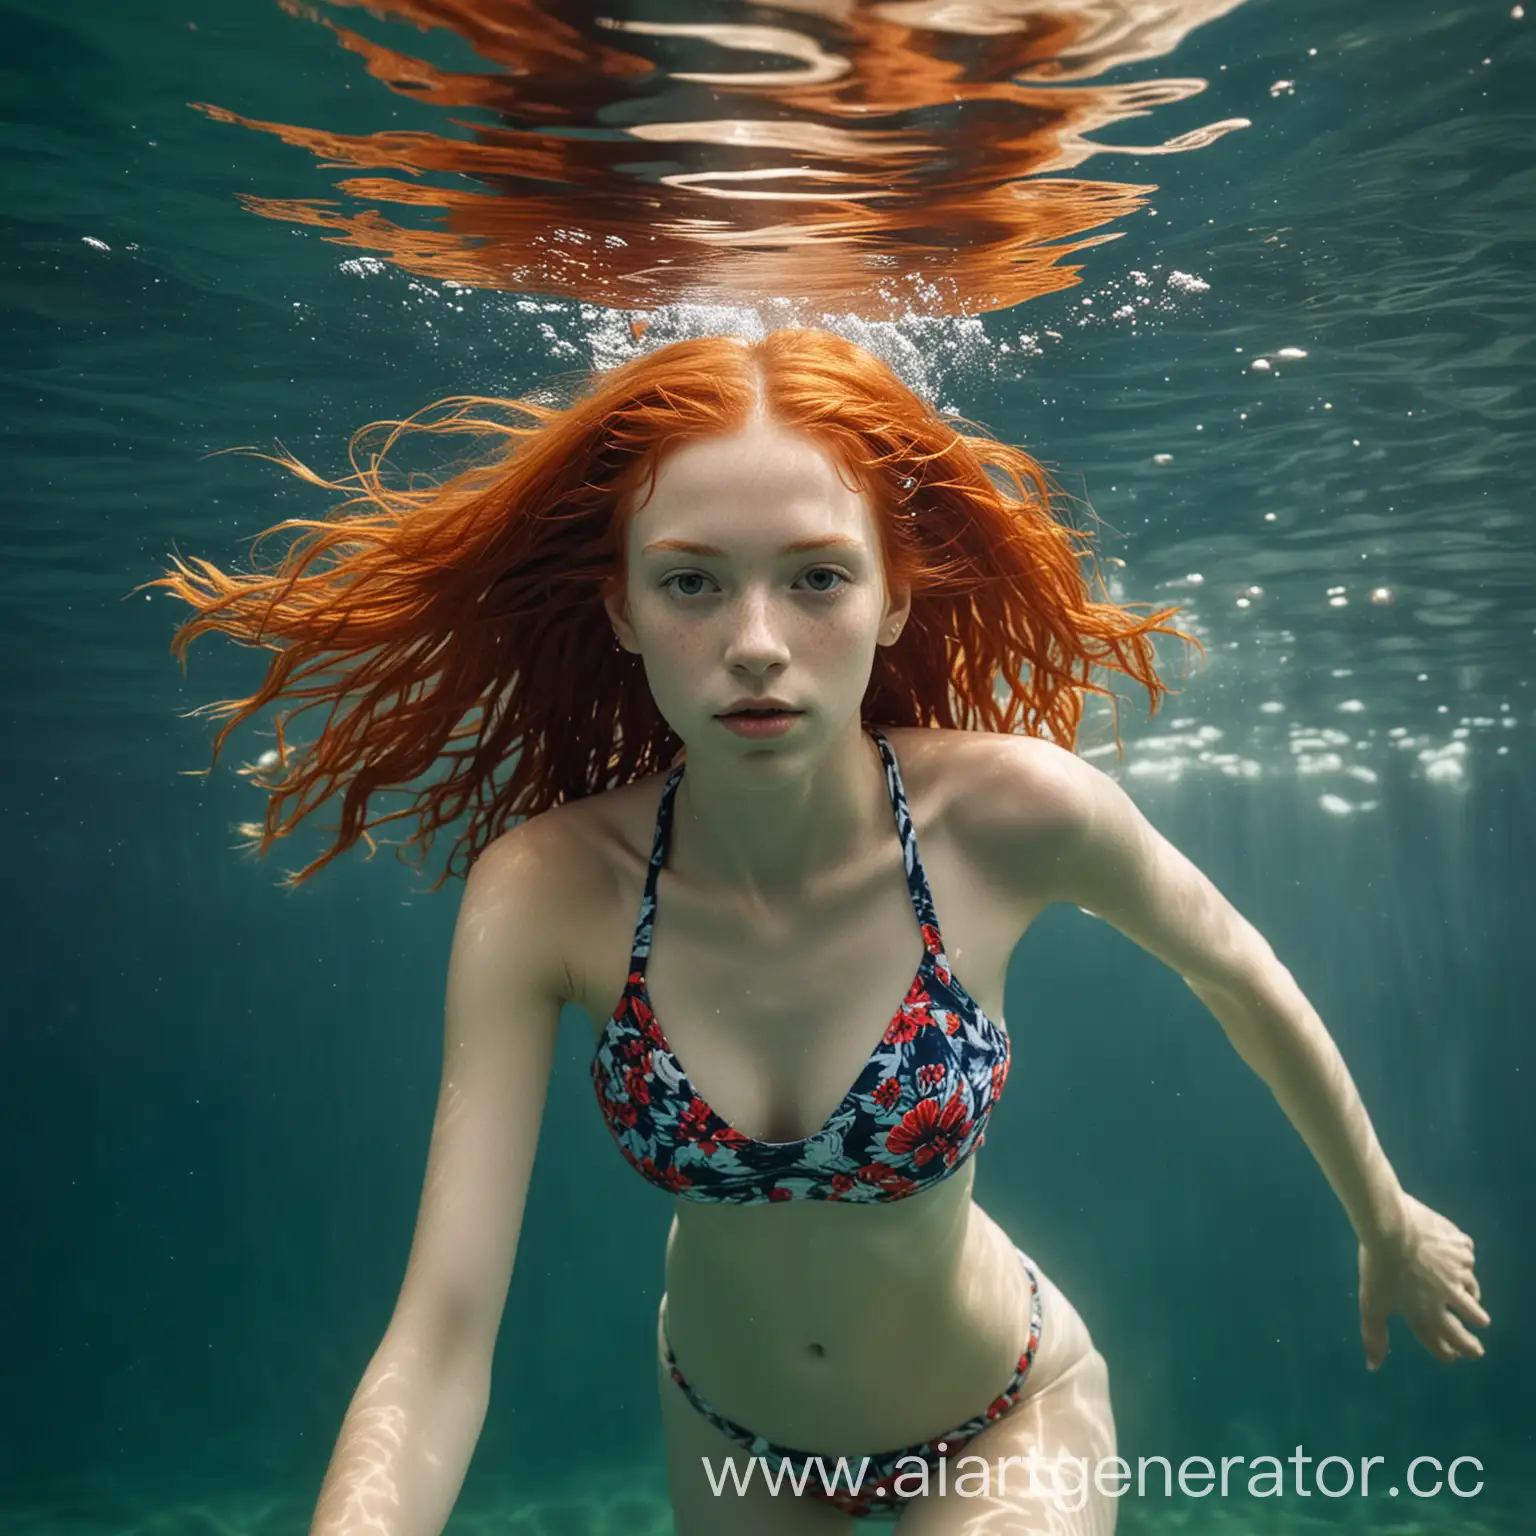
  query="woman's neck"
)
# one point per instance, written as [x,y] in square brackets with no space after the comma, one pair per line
[774,836]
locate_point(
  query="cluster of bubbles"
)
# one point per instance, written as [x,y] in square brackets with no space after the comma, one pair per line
[926,350]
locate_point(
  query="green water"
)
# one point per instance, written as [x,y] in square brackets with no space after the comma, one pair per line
[217,1096]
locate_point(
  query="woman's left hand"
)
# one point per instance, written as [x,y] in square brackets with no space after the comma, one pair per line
[1425,1272]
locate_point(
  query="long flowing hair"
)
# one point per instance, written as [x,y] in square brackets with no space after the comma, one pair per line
[452,627]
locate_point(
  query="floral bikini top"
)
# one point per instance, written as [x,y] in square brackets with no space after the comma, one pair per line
[913,1116]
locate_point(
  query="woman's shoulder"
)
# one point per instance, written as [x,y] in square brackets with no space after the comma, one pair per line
[1015,804]
[991,793]
[616,820]
[970,767]
[582,846]
[580,857]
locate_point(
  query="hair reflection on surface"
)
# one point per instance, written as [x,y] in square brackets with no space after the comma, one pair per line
[872,159]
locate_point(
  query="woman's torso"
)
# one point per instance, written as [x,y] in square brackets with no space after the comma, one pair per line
[821,1324]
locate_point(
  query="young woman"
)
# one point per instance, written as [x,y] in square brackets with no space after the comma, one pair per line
[781,672]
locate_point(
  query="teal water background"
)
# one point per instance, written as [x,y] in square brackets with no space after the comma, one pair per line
[215,1096]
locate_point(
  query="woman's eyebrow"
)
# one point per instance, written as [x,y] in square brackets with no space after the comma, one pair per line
[800,546]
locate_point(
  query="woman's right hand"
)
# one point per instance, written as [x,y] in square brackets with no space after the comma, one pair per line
[1425,1272]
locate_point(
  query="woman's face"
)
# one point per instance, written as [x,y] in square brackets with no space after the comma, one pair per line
[755,571]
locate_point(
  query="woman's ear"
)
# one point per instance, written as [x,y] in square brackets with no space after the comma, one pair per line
[623,632]
[897,612]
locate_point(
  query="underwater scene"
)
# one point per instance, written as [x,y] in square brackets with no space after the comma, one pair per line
[1252,280]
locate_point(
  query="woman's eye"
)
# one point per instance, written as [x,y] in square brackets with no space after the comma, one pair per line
[821,588]
[825,570]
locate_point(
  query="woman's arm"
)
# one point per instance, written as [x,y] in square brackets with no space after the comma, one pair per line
[1060,821]
[414,1421]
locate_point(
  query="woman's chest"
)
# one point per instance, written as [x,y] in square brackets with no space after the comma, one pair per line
[773,1016]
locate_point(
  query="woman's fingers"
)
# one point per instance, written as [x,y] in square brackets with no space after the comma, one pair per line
[1445,1337]
[1461,1342]
[1429,1276]
[1470,1307]
[1435,1338]
[1373,1331]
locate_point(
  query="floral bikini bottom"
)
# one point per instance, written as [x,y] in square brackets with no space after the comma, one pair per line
[863,1486]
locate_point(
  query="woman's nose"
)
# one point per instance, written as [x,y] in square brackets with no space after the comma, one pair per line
[757,632]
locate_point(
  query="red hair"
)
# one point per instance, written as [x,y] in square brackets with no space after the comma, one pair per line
[459,624]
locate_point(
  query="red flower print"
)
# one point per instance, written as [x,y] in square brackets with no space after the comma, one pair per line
[935,946]
[926,1131]
[637,1086]
[916,1010]
[841,1184]
[887,1093]
[886,1178]
[693,1125]
[668,1178]
[929,1076]
[615,1111]
[776,1193]
[999,1077]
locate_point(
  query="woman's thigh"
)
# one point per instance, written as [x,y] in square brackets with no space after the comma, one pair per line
[1040,1459]
[716,1488]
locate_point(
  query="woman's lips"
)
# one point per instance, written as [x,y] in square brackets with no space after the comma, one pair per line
[773,724]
